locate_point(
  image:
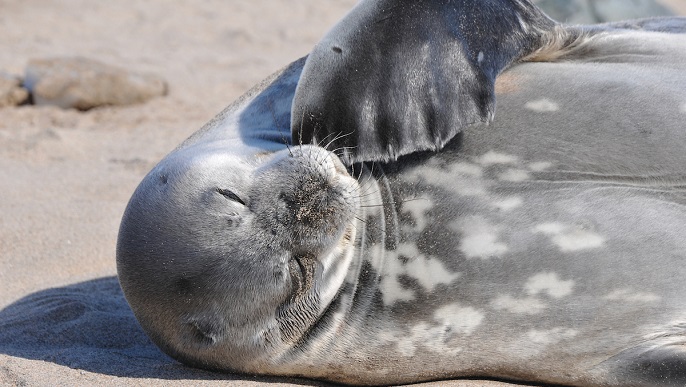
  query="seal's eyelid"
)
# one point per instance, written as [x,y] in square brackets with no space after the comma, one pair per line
[230,195]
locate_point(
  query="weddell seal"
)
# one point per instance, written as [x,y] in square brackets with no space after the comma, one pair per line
[338,223]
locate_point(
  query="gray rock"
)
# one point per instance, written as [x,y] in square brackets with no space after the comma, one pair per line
[11,92]
[600,11]
[84,84]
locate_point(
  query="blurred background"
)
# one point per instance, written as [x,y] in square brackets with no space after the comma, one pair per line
[599,11]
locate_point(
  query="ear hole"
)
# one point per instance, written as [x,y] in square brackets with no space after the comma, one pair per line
[204,332]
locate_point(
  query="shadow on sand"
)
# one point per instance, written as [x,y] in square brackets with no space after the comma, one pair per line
[89,326]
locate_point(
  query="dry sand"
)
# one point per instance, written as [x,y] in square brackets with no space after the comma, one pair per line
[66,176]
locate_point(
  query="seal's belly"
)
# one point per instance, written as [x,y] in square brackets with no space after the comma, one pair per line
[531,263]
[548,243]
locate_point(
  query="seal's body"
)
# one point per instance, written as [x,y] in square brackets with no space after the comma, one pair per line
[548,247]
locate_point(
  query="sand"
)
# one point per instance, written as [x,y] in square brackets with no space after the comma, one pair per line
[66,176]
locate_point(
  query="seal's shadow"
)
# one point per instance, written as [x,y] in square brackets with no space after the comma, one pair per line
[89,326]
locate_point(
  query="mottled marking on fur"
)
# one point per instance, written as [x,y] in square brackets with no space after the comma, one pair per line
[480,239]
[570,238]
[542,105]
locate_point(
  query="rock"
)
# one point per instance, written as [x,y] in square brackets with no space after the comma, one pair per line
[84,84]
[11,92]
[600,11]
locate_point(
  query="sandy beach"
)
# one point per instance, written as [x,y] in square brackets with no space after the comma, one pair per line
[66,175]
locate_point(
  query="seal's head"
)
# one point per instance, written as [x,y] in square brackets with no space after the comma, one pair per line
[227,256]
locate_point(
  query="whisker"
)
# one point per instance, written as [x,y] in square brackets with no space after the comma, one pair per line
[371,206]
[339,136]
[324,139]
[344,148]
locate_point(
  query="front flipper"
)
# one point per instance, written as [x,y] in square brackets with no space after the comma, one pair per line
[399,76]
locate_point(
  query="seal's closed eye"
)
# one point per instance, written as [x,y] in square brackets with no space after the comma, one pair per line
[227,193]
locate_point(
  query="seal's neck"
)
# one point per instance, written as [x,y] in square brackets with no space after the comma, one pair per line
[378,233]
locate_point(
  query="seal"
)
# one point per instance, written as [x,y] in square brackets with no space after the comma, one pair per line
[547,247]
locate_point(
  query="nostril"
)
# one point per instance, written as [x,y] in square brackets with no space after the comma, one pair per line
[337,49]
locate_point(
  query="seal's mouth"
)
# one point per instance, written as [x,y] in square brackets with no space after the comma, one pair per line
[302,268]
[315,282]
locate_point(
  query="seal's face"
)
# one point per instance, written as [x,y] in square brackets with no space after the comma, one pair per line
[223,257]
